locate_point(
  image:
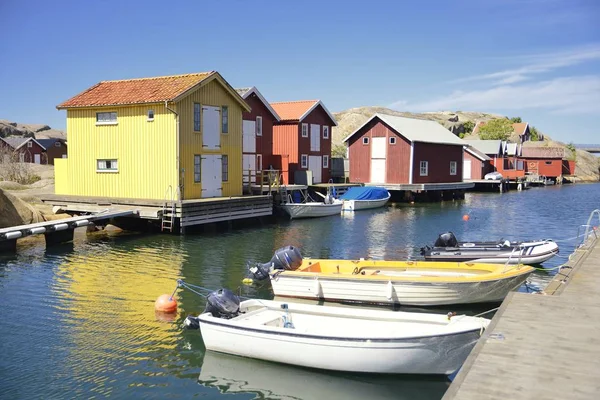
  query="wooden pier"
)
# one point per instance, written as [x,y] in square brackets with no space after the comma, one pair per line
[169,214]
[542,346]
[56,231]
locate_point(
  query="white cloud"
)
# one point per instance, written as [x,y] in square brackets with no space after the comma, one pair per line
[568,95]
[537,64]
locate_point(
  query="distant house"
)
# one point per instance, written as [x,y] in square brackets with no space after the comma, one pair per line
[28,149]
[55,148]
[521,129]
[257,132]
[302,140]
[504,156]
[476,164]
[141,138]
[397,150]
[544,161]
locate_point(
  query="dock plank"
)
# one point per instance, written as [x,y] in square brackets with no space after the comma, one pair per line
[541,346]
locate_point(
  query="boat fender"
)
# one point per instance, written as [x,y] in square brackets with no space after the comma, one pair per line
[191,322]
[317,289]
[389,290]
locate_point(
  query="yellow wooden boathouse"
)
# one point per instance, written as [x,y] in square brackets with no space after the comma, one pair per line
[137,138]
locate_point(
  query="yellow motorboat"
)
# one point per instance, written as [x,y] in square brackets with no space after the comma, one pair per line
[419,283]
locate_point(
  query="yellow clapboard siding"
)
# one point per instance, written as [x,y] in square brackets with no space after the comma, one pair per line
[146,153]
[210,94]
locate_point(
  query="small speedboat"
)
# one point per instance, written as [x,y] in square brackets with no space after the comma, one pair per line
[363,198]
[308,208]
[415,283]
[338,338]
[312,209]
[448,248]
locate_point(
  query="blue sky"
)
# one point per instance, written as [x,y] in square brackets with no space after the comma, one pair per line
[538,59]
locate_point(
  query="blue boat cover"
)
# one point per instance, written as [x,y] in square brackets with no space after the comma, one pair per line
[365,193]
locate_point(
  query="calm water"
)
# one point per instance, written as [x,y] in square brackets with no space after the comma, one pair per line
[79,321]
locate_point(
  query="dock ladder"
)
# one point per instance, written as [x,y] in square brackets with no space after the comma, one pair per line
[168,211]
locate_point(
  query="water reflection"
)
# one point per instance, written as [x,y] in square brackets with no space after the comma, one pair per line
[231,374]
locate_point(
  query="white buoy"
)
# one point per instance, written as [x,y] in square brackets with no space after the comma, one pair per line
[318,290]
[82,222]
[389,291]
[35,231]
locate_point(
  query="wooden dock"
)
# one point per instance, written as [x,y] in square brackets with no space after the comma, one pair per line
[56,231]
[544,346]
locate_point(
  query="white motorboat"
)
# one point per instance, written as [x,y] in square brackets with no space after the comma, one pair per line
[448,248]
[312,209]
[306,207]
[363,198]
[266,380]
[337,338]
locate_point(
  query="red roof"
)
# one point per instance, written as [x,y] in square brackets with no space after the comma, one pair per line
[518,127]
[136,91]
[293,110]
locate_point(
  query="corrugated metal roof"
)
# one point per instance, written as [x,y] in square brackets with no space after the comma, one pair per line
[416,130]
[543,152]
[17,141]
[243,91]
[46,143]
[477,153]
[493,147]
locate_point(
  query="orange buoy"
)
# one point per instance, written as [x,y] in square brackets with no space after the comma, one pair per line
[466,217]
[166,304]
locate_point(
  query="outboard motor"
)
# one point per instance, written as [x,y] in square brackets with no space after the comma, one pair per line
[285,258]
[223,303]
[446,240]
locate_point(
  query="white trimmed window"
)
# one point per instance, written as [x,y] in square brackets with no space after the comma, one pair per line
[304,130]
[106,118]
[150,115]
[197,164]
[259,126]
[424,168]
[365,140]
[325,161]
[30,144]
[452,167]
[392,140]
[108,165]
[304,161]
[325,132]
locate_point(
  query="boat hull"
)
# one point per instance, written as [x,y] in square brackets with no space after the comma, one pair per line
[356,205]
[395,292]
[311,210]
[442,353]
[528,253]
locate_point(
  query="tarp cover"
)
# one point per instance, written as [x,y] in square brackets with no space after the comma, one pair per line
[365,193]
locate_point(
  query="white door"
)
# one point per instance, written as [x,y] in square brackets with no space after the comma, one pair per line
[378,154]
[315,137]
[316,166]
[249,166]
[249,137]
[37,158]
[211,128]
[211,175]
[467,169]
